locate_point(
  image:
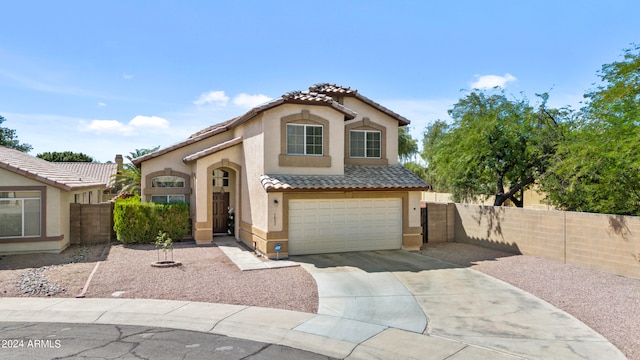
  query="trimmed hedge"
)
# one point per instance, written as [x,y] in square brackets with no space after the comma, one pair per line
[137,222]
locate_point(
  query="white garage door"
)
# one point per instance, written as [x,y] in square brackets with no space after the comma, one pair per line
[326,226]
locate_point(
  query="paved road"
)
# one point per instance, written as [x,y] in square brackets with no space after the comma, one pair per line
[97,341]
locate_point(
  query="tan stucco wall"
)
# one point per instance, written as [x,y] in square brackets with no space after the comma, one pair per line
[380,118]
[413,208]
[273,140]
[254,198]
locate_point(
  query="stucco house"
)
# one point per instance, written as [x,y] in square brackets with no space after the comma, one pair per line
[35,198]
[312,171]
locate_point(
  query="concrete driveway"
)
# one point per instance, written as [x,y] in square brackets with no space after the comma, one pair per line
[398,289]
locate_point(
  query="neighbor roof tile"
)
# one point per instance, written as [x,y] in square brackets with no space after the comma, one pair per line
[44,171]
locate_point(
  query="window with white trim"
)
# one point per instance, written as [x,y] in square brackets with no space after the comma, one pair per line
[364,144]
[20,213]
[304,139]
[168,199]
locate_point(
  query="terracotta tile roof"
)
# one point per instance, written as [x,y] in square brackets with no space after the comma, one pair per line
[356,177]
[326,88]
[102,172]
[293,97]
[213,149]
[333,89]
[44,171]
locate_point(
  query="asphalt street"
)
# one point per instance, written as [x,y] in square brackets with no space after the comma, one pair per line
[102,341]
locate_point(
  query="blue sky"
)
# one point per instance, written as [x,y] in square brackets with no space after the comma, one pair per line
[106,78]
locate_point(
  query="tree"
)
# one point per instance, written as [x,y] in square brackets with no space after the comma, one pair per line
[129,179]
[407,145]
[596,169]
[496,146]
[66,156]
[9,138]
[431,137]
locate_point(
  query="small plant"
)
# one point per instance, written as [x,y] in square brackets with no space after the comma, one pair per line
[164,242]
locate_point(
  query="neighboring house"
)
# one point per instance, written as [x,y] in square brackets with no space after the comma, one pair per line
[34,200]
[104,172]
[314,171]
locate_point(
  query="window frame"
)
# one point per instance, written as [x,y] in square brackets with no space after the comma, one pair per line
[168,184]
[305,137]
[166,196]
[149,190]
[365,143]
[22,200]
[223,175]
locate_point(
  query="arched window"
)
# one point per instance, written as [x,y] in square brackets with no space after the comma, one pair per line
[167,181]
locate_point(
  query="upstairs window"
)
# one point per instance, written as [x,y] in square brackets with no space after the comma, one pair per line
[364,144]
[304,139]
[167,181]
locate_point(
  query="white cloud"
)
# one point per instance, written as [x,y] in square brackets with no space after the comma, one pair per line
[491,81]
[127,76]
[107,127]
[149,122]
[101,104]
[250,101]
[215,98]
[145,123]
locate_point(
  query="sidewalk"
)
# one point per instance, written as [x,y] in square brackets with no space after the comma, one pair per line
[349,340]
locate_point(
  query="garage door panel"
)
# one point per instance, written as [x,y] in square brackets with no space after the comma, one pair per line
[325,226]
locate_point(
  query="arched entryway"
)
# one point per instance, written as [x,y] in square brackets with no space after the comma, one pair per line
[224,198]
[221,205]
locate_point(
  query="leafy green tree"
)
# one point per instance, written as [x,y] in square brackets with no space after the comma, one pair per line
[431,137]
[129,179]
[9,138]
[66,156]
[407,145]
[597,166]
[496,146]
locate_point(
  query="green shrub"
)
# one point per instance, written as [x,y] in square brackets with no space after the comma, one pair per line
[137,222]
[174,219]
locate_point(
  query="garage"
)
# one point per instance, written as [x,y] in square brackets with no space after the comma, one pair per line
[340,225]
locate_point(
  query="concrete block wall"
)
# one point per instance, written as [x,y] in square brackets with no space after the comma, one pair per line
[604,242]
[440,222]
[91,223]
[517,230]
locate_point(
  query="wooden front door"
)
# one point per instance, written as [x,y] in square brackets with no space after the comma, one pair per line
[220,212]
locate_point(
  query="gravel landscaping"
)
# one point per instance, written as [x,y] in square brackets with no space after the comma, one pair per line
[206,274]
[610,304]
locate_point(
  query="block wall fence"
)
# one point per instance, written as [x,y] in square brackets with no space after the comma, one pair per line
[609,243]
[91,223]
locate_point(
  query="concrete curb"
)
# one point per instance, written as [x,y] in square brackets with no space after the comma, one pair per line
[282,327]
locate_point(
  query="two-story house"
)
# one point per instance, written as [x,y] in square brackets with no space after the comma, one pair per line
[314,171]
